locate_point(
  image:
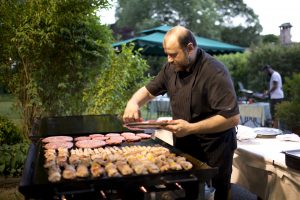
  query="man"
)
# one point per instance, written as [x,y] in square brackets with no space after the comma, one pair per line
[275,92]
[204,105]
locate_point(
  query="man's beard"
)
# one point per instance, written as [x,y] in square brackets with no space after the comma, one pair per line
[182,66]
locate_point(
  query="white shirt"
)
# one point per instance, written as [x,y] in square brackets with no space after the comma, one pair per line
[278,92]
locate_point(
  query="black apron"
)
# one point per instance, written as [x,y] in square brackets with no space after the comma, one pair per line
[206,147]
[181,96]
[215,149]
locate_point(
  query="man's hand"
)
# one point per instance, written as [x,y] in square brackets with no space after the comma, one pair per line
[132,113]
[266,93]
[180,128]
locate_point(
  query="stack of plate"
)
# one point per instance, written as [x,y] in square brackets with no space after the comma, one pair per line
[265,132]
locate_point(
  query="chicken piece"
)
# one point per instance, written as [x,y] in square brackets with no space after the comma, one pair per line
[82,171]
[164,167]
[111,157]
[54,174]
[79,151]
[186,165]
[139,169]
[124,168]
[74,159]
[179,159]
[152,168]
[50,161]
[150,157]
[96,169]
[50,153]
[96,151]
[100,161]
[171,155]
[90,151]
[63,151]
[161,157]
[174,166]
[69,172]
[94,156]
[85,160]
[62,160]
[111,170]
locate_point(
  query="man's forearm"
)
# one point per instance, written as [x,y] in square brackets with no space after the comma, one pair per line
[214,124]
[141,96]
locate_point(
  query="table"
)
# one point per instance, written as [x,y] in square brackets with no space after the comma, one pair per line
[259,166]
[257,113]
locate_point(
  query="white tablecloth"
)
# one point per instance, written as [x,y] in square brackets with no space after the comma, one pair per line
[260,167]
[258,113]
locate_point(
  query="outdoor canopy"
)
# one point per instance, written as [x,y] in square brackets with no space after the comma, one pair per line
[151,43]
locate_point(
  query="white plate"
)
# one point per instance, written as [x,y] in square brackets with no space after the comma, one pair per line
[264,131]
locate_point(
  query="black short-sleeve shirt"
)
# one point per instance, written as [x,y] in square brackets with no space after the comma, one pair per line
[205,91]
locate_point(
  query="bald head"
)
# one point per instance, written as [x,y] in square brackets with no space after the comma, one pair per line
[181,35]
[180,47]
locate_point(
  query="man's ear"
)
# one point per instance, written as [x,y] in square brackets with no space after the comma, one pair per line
[190,47]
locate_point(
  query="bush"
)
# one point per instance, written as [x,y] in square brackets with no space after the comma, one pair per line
[9,133]
[12,158]
[117,82]
[288,111]
[237,65]
[284,59]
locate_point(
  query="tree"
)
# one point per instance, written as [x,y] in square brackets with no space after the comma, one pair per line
[116,83]
[250,36]
[58,60]
[212,19]
[52,50]
[270,38]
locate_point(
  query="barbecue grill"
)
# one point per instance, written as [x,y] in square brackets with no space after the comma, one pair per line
[34,184]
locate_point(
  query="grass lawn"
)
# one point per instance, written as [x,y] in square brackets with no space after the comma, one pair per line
[8,110]
[11,193]
[9,189]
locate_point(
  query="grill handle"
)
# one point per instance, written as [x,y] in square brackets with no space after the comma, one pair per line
[181,179]
[87,190]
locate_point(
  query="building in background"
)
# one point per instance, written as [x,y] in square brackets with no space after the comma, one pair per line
[285,33]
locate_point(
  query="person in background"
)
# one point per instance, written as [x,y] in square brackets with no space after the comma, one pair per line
[275,92]
[204,104]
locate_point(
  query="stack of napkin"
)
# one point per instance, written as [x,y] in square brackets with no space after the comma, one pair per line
[289,137]
[245,133]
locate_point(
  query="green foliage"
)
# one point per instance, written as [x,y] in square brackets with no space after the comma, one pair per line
[12,158]
[9,133]
[270,38]
[288,111]
[117,82]
[52,51]
[284,59]
[212,19]
[292,87]
[241,36]
[237,65]
[247,67]
[155,64]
